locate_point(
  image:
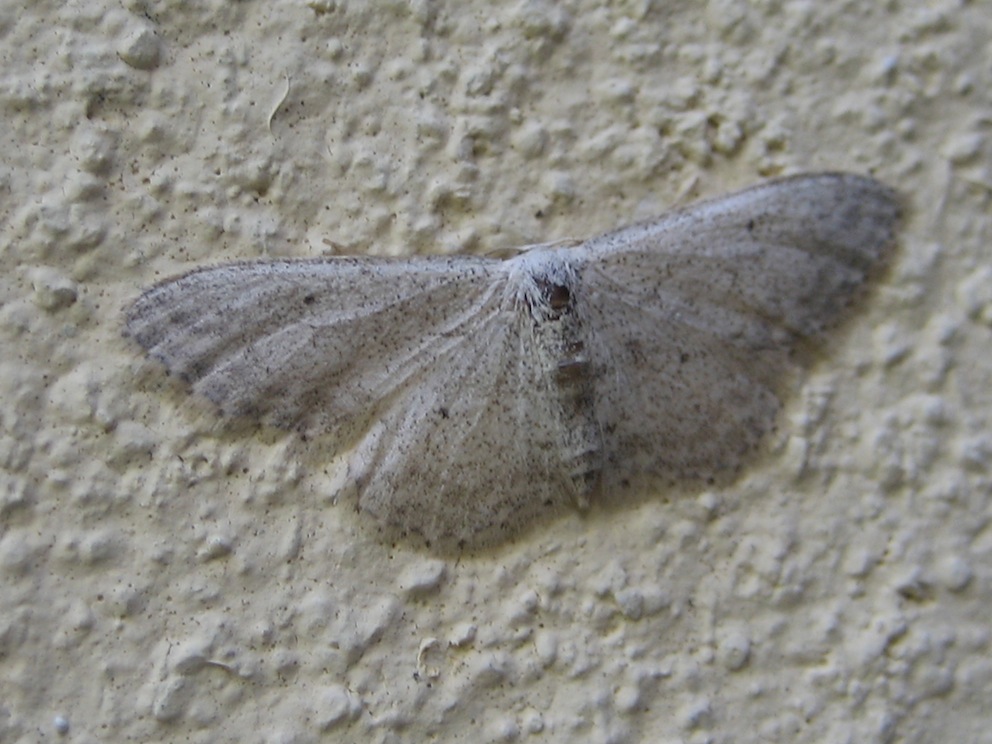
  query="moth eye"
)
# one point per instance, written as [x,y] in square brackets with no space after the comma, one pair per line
[557,296]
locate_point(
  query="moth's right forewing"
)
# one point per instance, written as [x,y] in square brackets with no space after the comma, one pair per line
[691,317]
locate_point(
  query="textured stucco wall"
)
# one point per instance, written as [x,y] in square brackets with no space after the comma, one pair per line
[165,578]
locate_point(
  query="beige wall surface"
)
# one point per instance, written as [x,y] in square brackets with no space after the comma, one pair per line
[164,577]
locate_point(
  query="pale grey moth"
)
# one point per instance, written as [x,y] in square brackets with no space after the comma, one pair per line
[477,395]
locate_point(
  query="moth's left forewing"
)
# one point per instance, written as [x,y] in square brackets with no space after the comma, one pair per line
[307,345]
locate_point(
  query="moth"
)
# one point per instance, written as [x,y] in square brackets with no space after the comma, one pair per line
[476,395]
